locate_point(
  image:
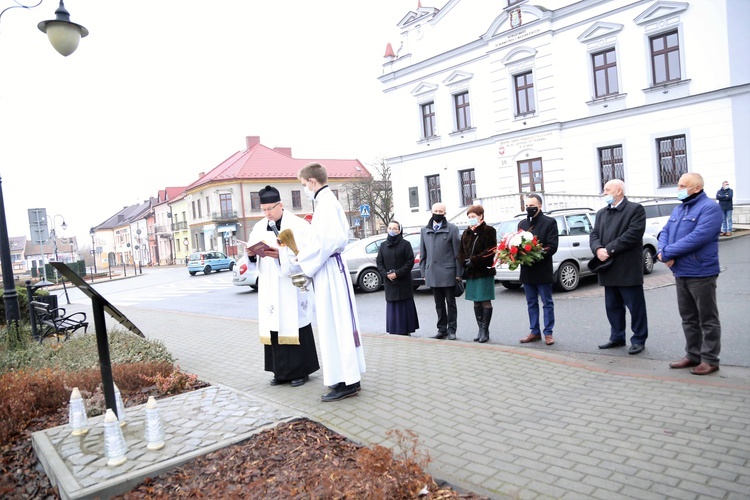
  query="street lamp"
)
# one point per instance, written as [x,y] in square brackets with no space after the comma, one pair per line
[64,36]
[92,233]
[53,235]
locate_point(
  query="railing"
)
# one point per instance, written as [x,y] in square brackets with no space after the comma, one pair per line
[228,215]
[506,206]
[176,226]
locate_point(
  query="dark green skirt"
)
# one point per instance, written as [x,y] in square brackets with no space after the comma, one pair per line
[480,289]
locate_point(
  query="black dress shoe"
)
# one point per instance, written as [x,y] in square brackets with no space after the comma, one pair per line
[452,336]
[440,335]
[341,392]
[300,381]
[275,381]
[636,349]
[356,385]
[611,344]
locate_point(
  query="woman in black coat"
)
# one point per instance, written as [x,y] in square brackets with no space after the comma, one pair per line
[477,253]
[395,261]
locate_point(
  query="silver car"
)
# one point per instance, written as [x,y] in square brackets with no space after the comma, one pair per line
[361,255]
[573,252]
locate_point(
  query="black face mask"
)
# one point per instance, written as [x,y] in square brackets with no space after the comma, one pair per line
[532,211]
[438,218]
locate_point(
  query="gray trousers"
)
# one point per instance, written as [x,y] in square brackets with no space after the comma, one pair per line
[696,300]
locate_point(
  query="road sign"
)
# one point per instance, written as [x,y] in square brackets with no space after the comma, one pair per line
[364,210]
[355,222]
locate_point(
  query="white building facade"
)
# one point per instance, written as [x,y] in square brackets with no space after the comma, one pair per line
[500,98]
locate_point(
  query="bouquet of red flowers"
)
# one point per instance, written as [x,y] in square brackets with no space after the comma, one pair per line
[518,248]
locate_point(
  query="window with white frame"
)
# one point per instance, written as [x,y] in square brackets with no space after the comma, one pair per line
[468,185]
[672,159]
[611,165]
[665,57]
[463,110]
[433,190]
[428,119]
[523,85]
[604,65]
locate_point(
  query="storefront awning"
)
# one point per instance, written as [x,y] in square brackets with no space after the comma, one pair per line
[229,228]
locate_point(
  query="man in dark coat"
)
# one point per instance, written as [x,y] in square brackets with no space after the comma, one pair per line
[618,236]
[537,278]
[438,251]
[725,196]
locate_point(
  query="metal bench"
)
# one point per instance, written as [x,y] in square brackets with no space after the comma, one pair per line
[55,323]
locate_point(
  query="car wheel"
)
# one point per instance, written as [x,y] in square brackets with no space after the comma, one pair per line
[192,273]
[369,281]
[231,266]
[567,277]
[648,260]
[207,270]
[510,285]
[255,285]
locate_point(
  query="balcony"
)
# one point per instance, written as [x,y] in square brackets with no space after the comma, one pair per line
[224,216]
[178,226]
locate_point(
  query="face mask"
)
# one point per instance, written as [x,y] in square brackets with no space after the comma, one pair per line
[532,211]
[682,194]
[310,194]
[392,233]
[609,199]
[473,221]
[725,186]
[438,218]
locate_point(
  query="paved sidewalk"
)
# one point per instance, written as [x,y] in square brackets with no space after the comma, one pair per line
[508,422]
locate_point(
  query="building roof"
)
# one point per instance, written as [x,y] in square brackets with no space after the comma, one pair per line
[259,162]
[127,215]
[17,243]
[169,194]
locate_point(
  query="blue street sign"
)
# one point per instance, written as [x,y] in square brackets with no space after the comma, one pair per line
[355,222]
[364,210]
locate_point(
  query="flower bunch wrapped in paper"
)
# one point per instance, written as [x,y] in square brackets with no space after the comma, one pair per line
[518,248]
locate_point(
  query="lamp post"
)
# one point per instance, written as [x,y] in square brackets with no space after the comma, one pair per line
[64,37]
[53,234]
[92,233]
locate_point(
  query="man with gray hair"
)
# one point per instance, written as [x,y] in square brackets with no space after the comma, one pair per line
[617,244]
[438,250]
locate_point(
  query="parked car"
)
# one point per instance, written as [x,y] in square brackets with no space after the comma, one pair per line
[657,214]
[361,258]
[245,273]
[573,252]
[206,262]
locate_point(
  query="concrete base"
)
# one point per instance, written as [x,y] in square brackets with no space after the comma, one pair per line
[196,423]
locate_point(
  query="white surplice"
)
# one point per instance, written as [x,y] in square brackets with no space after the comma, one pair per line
[336,310]
[277,296]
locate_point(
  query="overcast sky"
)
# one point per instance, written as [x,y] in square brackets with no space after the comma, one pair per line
[162,90]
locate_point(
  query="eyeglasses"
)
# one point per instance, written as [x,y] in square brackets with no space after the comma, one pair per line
[271,207]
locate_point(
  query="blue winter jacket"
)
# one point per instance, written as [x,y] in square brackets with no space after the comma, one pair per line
[691,238]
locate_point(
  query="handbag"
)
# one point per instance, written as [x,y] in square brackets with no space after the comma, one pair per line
[459,288]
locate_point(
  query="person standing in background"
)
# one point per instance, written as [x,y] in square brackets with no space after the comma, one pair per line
[537,278]
[284,312]
[320,258]
[395,261]
[438,250]
[725,196]
[477,252]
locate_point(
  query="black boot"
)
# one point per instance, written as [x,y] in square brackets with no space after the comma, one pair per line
[486,317]
[479,315]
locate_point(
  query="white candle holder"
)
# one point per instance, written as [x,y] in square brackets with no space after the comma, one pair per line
[121,415]
[77,418]
[114,442]
[154,427]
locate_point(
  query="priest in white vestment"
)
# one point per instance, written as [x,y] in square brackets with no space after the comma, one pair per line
[336,310]
[284,311]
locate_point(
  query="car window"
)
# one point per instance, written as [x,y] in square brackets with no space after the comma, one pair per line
[651,211]
[373,247]
[578,225]
[562,230]
[667,208]
[414,240]
[195,256]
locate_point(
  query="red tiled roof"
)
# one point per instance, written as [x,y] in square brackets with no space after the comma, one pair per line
[260,162]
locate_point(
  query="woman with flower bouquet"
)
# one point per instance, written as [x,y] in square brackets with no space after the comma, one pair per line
[536,269]
[477,254]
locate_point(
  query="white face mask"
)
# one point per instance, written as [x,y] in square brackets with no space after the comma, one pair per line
[473,221]
[310,194]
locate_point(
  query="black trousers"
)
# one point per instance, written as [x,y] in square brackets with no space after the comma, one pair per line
[287,361]
[445,305]
[616,299]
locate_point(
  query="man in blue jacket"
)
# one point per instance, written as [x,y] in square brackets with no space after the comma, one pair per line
[689,246]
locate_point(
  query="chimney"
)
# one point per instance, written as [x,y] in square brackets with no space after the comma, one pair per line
[252,140]
[201,174]
[284,151]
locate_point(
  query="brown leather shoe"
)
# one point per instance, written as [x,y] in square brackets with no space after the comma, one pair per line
[549,340]
[704,369]
[683,363]
[728,234]
[531,338]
